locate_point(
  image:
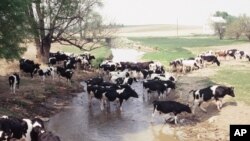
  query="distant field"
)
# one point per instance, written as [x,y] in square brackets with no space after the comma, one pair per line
[159,30]
[170,48]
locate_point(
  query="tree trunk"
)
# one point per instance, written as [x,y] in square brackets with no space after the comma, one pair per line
[45,49]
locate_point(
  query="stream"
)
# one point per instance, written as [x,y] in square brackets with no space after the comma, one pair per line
[79,122]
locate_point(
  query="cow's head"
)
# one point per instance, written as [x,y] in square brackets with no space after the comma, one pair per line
[131,92]
[217,61]
[188,109]
[231,91]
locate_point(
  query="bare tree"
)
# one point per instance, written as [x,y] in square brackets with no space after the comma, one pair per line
[219,29]
[66,22]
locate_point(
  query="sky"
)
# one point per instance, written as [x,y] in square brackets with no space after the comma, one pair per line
[188,12]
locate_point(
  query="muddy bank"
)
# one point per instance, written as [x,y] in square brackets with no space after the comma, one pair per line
[36,98]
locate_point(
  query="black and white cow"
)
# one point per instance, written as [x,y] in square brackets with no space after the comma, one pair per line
[67,73]
[108,65]
[50,71]
[176,65]
[243,54]
[52,61]
[95,81]
[122,93]
[29,66]
[233,53]
[37,129]
[21,129]
[159,86]
[170,107]
[14,81]
[107,94]
[216,92]
[211,59]
[15,128]
[186,64]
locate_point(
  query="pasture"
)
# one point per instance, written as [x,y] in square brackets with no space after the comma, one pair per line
[170,48]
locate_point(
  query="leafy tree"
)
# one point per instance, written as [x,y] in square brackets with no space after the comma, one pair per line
[13,28]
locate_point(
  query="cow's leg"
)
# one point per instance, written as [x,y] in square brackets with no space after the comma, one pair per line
[175,119]
[183,70]
[14,87]
[195,105]
[102,104]
[218,104]
[120,100]
[168,91]
[159,94]
[11,88]
[202,108]
[153,114]
[90,95]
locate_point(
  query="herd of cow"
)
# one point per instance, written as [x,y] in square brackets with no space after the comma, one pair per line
[155,79]
[121,75]
[33,130]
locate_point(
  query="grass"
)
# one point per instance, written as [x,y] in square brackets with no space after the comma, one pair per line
[170,48]
[237,78]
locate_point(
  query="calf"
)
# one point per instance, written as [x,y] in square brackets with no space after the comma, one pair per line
[217,92]
[14,81]
[46,72]
[170,107]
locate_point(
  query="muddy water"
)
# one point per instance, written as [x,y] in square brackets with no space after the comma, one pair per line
[78,122]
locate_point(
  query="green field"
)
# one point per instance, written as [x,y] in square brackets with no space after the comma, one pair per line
[170,48]
[239,78]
